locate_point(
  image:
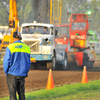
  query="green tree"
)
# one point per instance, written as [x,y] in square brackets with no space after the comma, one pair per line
[4,13]
[24,9]
[95,8]
[25,12]
[82,6]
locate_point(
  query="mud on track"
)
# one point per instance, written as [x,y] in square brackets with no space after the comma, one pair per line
[37,79]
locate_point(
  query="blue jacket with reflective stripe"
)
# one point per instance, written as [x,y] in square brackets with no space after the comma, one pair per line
[17,59]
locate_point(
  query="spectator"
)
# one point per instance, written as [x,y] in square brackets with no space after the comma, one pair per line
[16,65]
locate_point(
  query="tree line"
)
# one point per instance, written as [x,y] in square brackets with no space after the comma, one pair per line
[27,11]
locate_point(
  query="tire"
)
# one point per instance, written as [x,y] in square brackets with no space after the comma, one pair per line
[33,66]
[85,60]
[52,64]
[65,61]
[49,65]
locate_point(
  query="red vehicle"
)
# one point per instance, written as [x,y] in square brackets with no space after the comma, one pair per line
[75,40]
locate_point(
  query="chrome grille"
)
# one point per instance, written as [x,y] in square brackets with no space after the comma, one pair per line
[34,45]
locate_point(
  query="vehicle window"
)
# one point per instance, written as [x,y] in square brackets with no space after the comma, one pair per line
[62,32]
[78,26]
[5,31]
[35,30]
[92,37]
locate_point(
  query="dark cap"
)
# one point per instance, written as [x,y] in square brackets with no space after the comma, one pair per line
[17,35]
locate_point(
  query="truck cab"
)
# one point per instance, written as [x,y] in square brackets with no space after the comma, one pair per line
[79,30]
[40,39]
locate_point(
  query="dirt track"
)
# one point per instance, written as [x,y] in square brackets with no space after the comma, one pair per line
[37,79]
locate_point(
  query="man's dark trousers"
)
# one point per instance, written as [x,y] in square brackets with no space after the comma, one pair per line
[16,83]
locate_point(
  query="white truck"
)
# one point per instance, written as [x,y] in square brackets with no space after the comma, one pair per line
[42,45]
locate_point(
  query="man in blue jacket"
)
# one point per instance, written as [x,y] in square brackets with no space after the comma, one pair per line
[16,65]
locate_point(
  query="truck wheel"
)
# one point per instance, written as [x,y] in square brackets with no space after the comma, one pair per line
[85,60]
[49,65]
[52,64]
[33,66]
[65,62]
[91,64]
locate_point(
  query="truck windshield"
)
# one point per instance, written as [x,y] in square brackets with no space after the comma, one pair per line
[78,26]
[62,31]
[36,30]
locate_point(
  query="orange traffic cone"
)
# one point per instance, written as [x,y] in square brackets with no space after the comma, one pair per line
[84,76]
[50,83]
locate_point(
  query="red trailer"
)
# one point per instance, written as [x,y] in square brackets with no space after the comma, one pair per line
[75,40]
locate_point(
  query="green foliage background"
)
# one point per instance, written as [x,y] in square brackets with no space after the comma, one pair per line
[26,11]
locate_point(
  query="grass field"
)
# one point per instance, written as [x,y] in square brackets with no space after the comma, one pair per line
[87,91]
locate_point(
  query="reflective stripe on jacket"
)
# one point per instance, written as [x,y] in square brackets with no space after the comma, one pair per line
[17,59]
